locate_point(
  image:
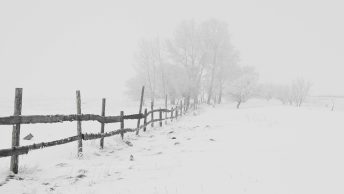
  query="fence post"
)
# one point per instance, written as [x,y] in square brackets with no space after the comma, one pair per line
[160,117]
[166,109]
[172,114]
[16,129]
[145,121]
[140,110]
[79,130]
[152,114]
[122,123]
[102,128]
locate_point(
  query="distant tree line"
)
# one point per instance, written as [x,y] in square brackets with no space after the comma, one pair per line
[293,94]
[198,63]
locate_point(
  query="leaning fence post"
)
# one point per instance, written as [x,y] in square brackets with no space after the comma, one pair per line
[122,123]
[102,128]
[79,130]
[152,114]
[166,109]
[140,110]
[160,117]
[145,121]
[16,129]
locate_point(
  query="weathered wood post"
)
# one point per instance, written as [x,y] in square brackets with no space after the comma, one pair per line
[160,117]
[145,120]
[102,127]
[140,110]
[79,130]
[166,109]
[152,114]
[122,123]
[16,129]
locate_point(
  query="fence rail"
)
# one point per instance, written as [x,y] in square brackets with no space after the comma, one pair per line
[19,119]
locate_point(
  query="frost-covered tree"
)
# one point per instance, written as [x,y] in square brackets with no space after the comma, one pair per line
[150,70]
[186,52]
[283,93]
[300,90]
[244,87]
[216,42]
[195,63]
[227,71]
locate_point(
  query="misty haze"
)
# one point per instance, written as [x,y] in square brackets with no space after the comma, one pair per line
[171,97]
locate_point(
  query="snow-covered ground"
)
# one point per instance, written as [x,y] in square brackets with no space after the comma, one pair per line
[260,148]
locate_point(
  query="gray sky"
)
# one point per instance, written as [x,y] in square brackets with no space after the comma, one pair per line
[54,47]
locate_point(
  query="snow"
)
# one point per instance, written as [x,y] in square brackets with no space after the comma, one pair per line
[260,148]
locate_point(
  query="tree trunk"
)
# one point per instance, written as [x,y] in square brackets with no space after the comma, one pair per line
[238,105]
[220,97]
[187,103]
[210,91]
[196,99]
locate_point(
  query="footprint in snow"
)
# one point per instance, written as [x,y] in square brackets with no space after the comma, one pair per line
[129,143]
[81,175]
[61,164]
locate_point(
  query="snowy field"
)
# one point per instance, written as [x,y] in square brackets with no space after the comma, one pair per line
[264,147]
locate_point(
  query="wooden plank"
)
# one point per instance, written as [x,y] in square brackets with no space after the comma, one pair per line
[25,149]
[140,109]
[158,110]
[133,116]
[102,127]
[16,129]
[34,119]
[79,130]
[91,136]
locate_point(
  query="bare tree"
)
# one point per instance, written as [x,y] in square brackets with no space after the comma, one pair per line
[300,90]
[244,87]
[186,51]
[216,42]
[227,71]
[150,69]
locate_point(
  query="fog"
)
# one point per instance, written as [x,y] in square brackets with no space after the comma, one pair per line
[52,48]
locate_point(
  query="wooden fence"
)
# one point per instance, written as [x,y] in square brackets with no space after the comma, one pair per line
[17,119]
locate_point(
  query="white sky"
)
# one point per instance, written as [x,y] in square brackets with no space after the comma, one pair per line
[55,47]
